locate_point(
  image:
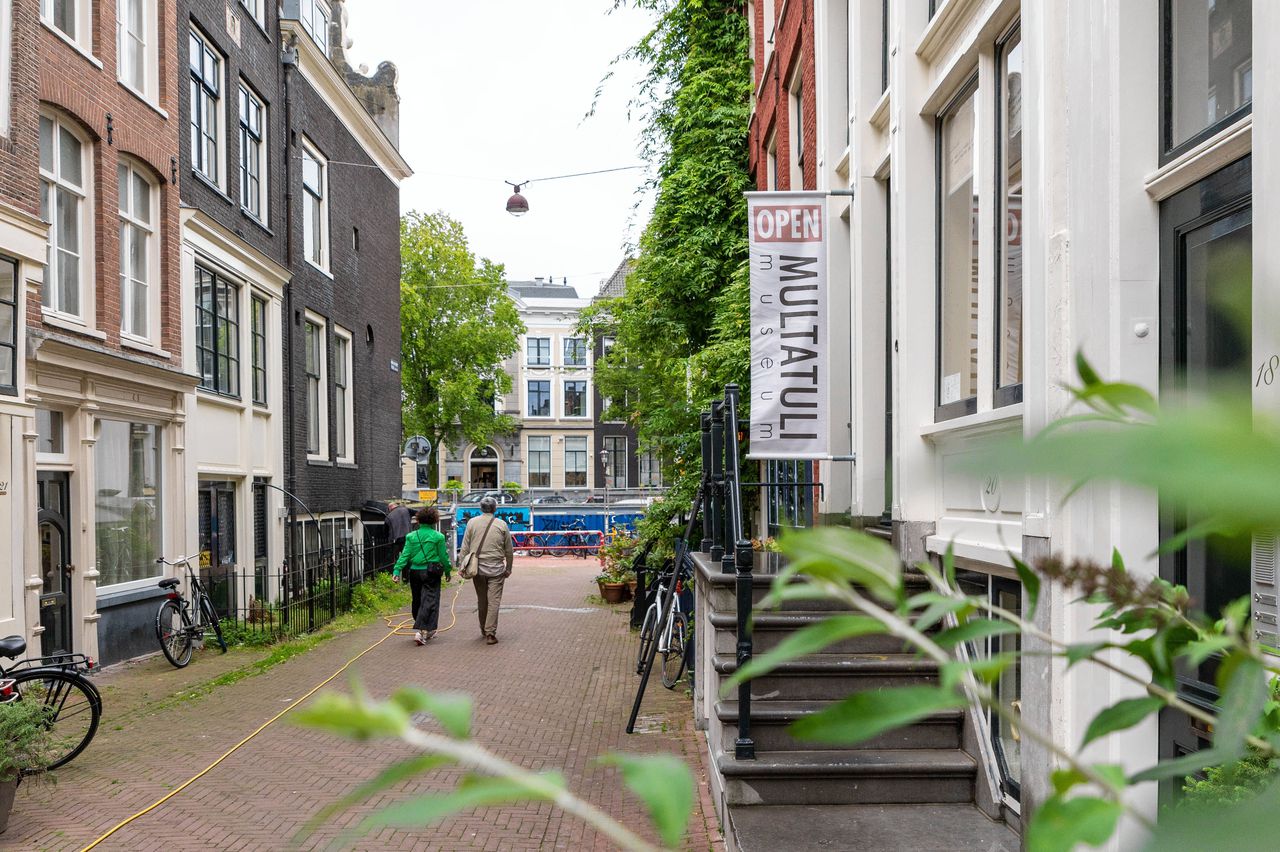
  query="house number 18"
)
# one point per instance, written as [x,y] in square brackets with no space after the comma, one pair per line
[1267,371]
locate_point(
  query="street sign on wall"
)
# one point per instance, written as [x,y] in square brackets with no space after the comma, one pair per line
[790,375]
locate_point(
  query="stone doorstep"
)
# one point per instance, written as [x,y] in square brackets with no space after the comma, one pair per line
[883,828]
[769,721]
[870,776]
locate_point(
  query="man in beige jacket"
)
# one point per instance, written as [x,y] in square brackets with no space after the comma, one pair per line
[489,538]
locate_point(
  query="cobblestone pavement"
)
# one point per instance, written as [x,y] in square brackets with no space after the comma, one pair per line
[554,693]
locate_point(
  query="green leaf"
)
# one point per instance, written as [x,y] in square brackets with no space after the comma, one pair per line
[1121,715]
[1030,585]
[451,710]
[1083,651]
[1199,651]
[1085,370]
[864,715]
[844,555]
[1064,779]
[940,609]
[1060,824]
[1242,704]
[1117,561]
[353,718]
[663,782]
[389,777]
[1179,767]
[976,628]
[472,793]
[1240,827]
[985,669]
[808,640]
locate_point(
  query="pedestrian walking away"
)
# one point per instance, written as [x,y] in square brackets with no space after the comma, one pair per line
[398,522]
[426,558]
[487,541]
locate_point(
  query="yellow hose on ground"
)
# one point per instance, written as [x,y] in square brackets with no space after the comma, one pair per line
[395,628]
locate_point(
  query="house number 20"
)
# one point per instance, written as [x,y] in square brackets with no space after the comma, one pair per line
[1267,371]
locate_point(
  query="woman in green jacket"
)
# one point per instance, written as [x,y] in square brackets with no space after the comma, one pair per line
[427,558]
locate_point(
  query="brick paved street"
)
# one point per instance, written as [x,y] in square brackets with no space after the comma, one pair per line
[553,694]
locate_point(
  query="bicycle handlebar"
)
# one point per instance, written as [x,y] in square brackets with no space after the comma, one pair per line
[183,561]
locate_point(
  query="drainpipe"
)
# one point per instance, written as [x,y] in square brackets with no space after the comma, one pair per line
[289,61]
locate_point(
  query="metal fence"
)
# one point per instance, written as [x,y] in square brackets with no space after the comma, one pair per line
[307,594]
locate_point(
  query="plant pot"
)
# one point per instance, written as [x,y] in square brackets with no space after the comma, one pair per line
[7,791]
[631,589]
[613,592]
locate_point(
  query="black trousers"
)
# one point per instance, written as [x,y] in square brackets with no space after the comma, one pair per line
[424,584]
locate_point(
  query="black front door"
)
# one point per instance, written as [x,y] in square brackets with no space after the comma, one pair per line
[1205,324]
[53,534]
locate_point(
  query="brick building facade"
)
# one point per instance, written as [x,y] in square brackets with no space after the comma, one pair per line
[782,47]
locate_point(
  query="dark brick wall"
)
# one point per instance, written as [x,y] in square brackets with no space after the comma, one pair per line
[256,60]
[87,94]
[20,149]
[362,296]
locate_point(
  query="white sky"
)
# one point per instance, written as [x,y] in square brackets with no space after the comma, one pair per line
[494,90]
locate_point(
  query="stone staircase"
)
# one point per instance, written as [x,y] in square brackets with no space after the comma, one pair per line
[832,796]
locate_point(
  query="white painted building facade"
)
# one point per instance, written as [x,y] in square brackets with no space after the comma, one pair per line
[1031,181]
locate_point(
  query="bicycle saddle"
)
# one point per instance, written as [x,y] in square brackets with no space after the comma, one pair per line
[169,583]
[12,646]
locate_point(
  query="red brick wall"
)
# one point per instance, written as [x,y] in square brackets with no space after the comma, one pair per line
[19,154]
[792,49]
[80,90]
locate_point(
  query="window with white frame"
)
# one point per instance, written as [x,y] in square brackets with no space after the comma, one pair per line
[8,326]
[770,25]
[771,162]
[575,398]
[314,367]
[206,98]
[957,321]
[6,50]
[71,18]
[795,129]
[539,349]
[129,490]
[1009,262]
[315,206]
[650,470]
[218,332]
[575,462]
[343,403]
[539,461]
[315,17]
[615,468]
[138,198]
[575,352]
[1206,69]
[258,309]
[136,60]
[253,153]
[64,188]
[256,8]
[539,398]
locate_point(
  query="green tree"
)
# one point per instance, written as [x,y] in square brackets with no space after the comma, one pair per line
[458,324]
[681,328]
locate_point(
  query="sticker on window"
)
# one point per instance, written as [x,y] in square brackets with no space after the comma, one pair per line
[951,388]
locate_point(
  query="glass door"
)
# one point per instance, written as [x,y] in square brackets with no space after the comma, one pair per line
[53,535]
[1206,340]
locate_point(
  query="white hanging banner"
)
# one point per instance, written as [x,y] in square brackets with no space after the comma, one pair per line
[790,375]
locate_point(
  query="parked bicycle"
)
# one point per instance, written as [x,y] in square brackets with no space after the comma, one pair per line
[180,625]
[672,642]
[73,706]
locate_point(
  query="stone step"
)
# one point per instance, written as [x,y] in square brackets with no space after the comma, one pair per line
[827,677]
[769,721]
[884,828]
[770,628]
[723,594]
[865,776]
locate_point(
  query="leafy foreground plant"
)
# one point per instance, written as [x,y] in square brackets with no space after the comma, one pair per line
[662,782]
[1149,623]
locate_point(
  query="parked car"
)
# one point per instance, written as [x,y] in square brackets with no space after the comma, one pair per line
[472,496]
[550,498]
[640,502]
[503,497]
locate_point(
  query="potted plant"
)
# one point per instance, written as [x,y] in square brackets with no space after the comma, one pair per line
[612,588]
[629,577]
[26,746]
[454,488]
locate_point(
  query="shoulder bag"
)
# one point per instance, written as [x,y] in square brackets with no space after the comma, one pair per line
[471,567]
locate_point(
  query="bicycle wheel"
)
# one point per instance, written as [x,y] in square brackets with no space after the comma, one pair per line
[673,659]
[646,636]
[533,546]
[211,618]
[173,629]
[72,705]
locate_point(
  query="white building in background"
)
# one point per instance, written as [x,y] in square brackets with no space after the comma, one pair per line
[1032,180]
[552,398]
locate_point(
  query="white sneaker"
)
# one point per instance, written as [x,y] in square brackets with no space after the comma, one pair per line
[417,637]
